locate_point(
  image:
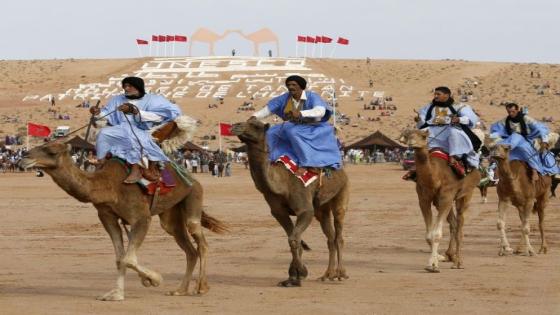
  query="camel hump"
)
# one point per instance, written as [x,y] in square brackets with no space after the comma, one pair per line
[214,224]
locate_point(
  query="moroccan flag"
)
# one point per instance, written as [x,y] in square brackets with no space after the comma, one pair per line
[161,38]
[225,130]
[155,38]
[310,39]
[343,41]
[302,39]
[179,38]
[141,42]
[170,38]
[326,40]
[38,130]
[318,39]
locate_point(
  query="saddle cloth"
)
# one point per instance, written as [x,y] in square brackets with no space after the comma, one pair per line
[307,178]
[165,183]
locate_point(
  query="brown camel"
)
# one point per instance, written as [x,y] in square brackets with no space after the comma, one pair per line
[437,184]
[516,187]
[206,36]
[286,196]
[262,36]
[180,213]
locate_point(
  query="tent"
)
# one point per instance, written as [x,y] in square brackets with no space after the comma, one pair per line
[192,147]
[78,143]
[374,141]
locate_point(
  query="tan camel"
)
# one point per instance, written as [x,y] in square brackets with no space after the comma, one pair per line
[516,187]
[286,196]
[180,213]
[206,36]
[437,184]
[262,36]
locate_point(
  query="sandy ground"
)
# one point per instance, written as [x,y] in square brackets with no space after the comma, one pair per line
[56,257]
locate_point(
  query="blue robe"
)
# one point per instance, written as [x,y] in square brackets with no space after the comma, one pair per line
[119,138]
[522,149]
[309,144]
[452,139]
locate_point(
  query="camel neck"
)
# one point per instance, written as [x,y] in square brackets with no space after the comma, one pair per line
[259,165]
[424,170]
[506,176]
[71,179]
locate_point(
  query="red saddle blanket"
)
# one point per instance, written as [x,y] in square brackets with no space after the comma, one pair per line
[165,183]
[307,178]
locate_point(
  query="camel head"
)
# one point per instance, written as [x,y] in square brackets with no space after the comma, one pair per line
[251,131]
[500,152]
[415,138]
[47,156]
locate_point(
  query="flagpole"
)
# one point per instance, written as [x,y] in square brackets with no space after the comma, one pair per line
[165,49]
[313,53]
[334,104]
[305,54]
[173,49]
[139,52]
[27,140]
[321,50]
[150,49]
[220,136]
[297,44]
[332,51]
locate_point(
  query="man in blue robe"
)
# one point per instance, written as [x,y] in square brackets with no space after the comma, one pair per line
[131,115]
[519,131]
[305,136]
[450,126]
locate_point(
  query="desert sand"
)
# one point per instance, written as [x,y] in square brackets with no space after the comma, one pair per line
[56,257]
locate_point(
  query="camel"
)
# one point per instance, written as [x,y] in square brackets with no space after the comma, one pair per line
[437,184]
[286,196]
[206,36]
[262,36]
[515,187]
[180,213]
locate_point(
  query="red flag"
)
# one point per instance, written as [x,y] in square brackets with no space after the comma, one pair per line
[343,41]
[302,39]
[225,130]
[326,40]
[141,42]
[38,130]
[310,39]
[318,39]
[155,38]
[179,38]
[161,38]
[170,38]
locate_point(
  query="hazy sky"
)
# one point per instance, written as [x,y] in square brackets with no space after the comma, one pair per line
[497,30]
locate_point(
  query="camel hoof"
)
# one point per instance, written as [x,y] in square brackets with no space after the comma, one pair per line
[457,266]
[177,293]
[202,288]
[525,252]
[153,281]
[290,283]
[113,295]
[543,250]
[504,251]
[432,269]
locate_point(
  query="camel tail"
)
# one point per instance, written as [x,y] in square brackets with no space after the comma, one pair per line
[214,224]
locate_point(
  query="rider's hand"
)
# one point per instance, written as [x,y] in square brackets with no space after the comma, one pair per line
[416,119]
[455,120]
[128,108]
[296,114]
[95,110]
[545,146]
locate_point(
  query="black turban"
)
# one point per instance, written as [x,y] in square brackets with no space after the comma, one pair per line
[443,89]
[299,80]
[136,82]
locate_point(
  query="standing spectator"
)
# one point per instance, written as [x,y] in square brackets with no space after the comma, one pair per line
[228,169]
[220,169]
[233,52]
[269,53]
[194,165]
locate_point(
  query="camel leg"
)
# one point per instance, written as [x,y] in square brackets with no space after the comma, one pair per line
[461,206]
[339,213]
[540,206]
[138,231]
[451,252]
[297,270]
[484,193]
[525,247]
[324,216]
[426,208]
[111,224]
[172,222]
[435,234]
[505,248]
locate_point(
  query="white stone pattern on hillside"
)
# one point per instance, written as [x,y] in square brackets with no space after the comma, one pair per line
[214,77]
